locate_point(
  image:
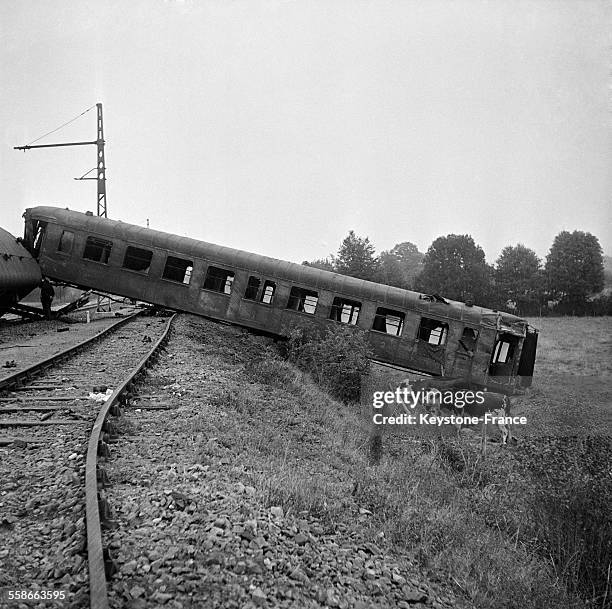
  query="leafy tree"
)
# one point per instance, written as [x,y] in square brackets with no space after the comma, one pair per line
[607,263]
[356,258]
[518,278]
[574,269]
[455,267]
[321,263]
[400,265]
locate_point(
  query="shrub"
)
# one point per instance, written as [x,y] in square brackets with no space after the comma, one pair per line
[336,359]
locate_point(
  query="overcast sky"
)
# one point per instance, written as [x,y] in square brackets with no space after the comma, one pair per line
[276,127]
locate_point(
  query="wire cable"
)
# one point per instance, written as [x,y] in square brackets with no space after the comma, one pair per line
[61,126]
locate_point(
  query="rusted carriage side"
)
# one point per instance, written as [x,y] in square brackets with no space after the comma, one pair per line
[425,333]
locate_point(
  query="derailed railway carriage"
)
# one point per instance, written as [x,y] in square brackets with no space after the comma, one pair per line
[425,333]
[19,273]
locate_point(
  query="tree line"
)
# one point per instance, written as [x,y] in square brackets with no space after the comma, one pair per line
[569,281]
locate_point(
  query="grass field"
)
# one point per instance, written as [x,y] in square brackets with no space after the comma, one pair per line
[579,346]
[572,388]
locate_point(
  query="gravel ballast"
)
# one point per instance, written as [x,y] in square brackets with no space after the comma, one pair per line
[214,487]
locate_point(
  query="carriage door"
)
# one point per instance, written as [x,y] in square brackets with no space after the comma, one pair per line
[464,353]
[528,354]
[34,236]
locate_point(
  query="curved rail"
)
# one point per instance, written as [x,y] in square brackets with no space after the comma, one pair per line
[98,598]
[14,379]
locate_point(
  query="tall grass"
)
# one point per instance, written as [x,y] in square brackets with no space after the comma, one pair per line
[571,517]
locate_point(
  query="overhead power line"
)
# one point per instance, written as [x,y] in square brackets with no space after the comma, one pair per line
[61,126]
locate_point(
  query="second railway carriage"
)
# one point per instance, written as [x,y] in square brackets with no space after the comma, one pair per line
[19,272]
[425,333]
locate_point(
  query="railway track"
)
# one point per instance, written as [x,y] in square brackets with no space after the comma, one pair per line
[54,434]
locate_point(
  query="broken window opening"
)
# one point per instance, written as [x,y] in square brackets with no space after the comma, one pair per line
[252,288]
[345,311]
[268,292]
[302,300]
[65,242]
[502,353]
[433,331]
[502,359]
[137,259]
[388,321]
[97,249]
[468,339]
[178,269]
[219,280]
[39,233]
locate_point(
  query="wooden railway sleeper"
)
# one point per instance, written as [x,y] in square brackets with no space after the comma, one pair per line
[110,428]
[102,477]
[103,450]
[110,565]
[106,513]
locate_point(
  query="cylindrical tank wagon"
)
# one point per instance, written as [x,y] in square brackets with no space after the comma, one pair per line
[19,271]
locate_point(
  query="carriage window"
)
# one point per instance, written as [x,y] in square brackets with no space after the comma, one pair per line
[468,339]
[388,321]
[65,242]
[303,300]
[219,280]
[97,250]
[178,269]
[346,311]
[137,259]
[268,292]
[503,352]
[252,288]
[433,331]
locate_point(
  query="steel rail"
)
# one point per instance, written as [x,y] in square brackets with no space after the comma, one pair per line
[38,367]
[98,598]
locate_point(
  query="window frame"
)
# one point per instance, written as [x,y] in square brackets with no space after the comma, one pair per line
[508,353]
[251,280]
[268,283]
[67,252]
[338,305]
[106,247]
[301,300]
[401,315]
[443,334]
[229,274]
[141,249]
[186,274]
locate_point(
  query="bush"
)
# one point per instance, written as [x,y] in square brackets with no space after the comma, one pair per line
[336,359]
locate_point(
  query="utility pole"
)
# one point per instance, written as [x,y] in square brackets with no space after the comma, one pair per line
[100,168]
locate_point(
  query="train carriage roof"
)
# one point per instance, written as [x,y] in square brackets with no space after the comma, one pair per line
[312,277]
